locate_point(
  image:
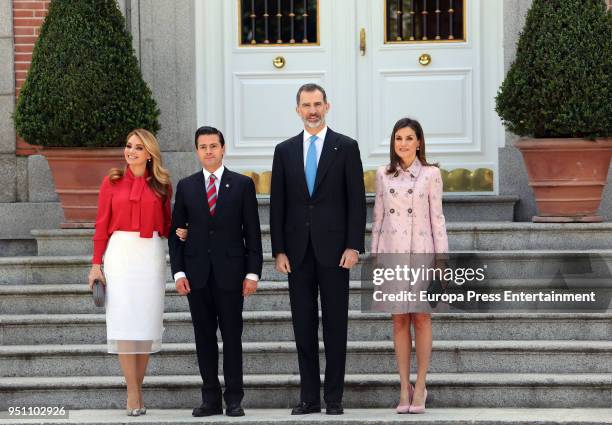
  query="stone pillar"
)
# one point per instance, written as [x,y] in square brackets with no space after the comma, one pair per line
[512,173]
[167,60]
[8,161]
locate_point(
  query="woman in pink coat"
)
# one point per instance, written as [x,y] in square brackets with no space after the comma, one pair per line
[408,218]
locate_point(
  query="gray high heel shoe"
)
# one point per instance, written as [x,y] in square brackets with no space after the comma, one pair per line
[132,412]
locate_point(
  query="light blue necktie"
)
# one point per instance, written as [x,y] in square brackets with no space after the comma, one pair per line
[311,164]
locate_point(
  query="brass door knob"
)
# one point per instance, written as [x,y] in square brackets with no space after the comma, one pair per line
[278,62]
[424,59]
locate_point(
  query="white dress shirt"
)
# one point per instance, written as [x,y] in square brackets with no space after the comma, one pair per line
[318,143]
[218,173]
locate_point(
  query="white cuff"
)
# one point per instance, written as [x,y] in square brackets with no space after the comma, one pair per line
[252,276]
[179,275]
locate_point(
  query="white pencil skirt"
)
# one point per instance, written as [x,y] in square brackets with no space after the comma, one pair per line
[134,268]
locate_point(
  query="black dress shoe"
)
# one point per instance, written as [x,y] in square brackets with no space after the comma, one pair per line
[304,408]
[234,410]
[334,409]
[206,409]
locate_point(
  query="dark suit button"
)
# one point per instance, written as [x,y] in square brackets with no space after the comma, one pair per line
[211,232]
[310,206]
[208,251]
[409,190]
[392,190]
[308,223]
[409,210]
[391,210]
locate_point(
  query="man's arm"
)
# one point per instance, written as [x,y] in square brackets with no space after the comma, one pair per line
[179,219]
[277,204]
[251,231]
[355,195]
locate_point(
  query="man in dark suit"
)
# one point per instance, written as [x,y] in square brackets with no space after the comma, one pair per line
[216,266]
[317,225]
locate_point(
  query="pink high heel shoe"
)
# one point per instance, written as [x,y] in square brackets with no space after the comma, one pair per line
[418,409]
[405,408]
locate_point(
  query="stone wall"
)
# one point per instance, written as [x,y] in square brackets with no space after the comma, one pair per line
[165,34]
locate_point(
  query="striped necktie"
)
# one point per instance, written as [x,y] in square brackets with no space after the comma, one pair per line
[211,194]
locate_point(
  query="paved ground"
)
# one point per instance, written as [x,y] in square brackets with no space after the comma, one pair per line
[478,416]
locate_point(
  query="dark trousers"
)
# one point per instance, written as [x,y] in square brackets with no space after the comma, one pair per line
[305,282]
[213,307]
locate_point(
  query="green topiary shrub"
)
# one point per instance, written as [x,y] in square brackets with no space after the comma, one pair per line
[84,87]
[560,84]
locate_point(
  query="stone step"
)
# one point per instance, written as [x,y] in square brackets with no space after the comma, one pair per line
[12,247]
[18,218]
[457,208]
[74,298]
[282,391]
[463,236]
[270,296]
[434,416]
[362,357]
[524,264]
[276,326]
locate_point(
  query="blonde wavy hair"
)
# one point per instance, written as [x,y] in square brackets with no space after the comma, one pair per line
[159,177]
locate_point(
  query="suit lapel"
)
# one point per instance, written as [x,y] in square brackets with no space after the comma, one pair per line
[328,154]
[297,151]
[225,187]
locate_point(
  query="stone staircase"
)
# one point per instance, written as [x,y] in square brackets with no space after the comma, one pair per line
[52,340]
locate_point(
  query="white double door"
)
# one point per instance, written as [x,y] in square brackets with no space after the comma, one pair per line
[370,84]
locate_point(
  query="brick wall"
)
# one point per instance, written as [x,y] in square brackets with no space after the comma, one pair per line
[28,15]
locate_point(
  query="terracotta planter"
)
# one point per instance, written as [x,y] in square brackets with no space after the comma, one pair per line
[77,173]
[567,177]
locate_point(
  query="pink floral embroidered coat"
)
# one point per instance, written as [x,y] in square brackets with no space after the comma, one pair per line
[408,216]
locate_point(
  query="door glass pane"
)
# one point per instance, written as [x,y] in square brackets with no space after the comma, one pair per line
[274,22]
[424,21]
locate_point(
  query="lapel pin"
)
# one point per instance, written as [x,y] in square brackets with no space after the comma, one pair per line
[227,185]
[335,148]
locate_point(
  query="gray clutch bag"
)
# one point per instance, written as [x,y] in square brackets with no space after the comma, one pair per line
[98,293]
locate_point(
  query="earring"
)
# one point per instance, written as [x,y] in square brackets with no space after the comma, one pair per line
[149,160]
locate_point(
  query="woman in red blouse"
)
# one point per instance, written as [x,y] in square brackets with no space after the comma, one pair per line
[133,215]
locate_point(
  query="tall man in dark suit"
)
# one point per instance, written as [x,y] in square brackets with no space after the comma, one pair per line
[317,224]
[217,265]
